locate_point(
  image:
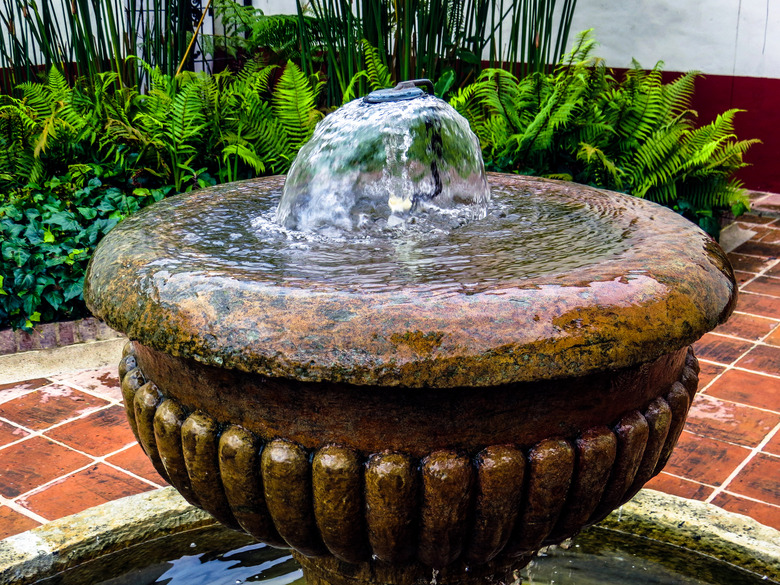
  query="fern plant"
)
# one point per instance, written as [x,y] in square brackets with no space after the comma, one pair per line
[637,135]
[53,125]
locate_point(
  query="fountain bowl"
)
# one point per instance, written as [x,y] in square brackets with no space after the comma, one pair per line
[450,400]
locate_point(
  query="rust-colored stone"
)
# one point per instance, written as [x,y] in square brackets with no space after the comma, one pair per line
[632,432]
[128,363]
[392,506]
[288,495]
[145,404]
[659,420]
[500,475]
[337,482]
[550,468]
[679,402]
[200,434]
[371,420]
[239,469]
[661,290]
[504,414]
[401,519]
[131,382]
[595,454]
[690,379]
[447,479]
[167,435]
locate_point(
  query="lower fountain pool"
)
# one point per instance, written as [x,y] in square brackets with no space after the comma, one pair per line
[157,538]
[219,556]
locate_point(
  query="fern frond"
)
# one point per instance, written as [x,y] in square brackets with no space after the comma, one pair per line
[378,73]
[294,102]
[351,92]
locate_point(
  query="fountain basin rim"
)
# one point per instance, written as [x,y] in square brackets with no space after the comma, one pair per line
[648,302]
[54,547]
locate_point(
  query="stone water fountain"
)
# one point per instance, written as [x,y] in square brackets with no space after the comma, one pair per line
[400,368]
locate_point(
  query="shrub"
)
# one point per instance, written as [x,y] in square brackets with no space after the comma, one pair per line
[48,233]
[75,160]
[637,135]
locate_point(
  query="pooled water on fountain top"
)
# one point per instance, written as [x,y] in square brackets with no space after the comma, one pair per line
[524,235]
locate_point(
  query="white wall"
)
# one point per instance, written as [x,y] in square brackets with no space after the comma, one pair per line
[720,37]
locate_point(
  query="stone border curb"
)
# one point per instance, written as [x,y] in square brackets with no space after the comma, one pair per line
[67,542]
[701,527]
[52,335]
[63,543]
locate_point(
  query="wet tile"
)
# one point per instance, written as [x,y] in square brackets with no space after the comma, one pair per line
[17,389]
[758,219]
[708,373]
[765,285]
[760,230]
[760,479]
[726,421]
[135,461]
[773,446]
[747,326]
[12,522]
[98,434]
[759,511]
[102,381]
[705,460]
[10,433]
[748,388]
[754,248]
[91,487]
[746,263]
[33,462]
[49,405]
[761,305]
[720,349]
[762,358]
[771,236]
[677,486]
[774,337]
[743,277]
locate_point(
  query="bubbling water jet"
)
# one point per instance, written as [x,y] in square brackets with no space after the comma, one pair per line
[381,158]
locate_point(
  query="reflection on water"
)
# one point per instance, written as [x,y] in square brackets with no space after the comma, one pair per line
[596,557]
[525,235]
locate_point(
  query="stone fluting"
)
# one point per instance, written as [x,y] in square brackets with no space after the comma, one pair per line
[447,509]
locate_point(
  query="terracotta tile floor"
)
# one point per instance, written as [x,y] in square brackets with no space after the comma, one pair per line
[64,444]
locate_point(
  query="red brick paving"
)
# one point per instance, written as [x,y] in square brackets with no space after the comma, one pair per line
[34,462]
[135,461]
[49,405]
[96,434]
[678,486]
[12,522]
[731,422]
[90,487]
[761,511]
[64,444]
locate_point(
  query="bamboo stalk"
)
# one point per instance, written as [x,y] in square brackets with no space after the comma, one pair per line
[192,40]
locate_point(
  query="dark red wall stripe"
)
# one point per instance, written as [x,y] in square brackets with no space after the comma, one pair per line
[760,97]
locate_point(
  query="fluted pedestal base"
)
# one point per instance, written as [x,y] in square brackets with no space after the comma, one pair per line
[331,571]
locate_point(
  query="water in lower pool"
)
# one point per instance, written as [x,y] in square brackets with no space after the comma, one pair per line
[218,556]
